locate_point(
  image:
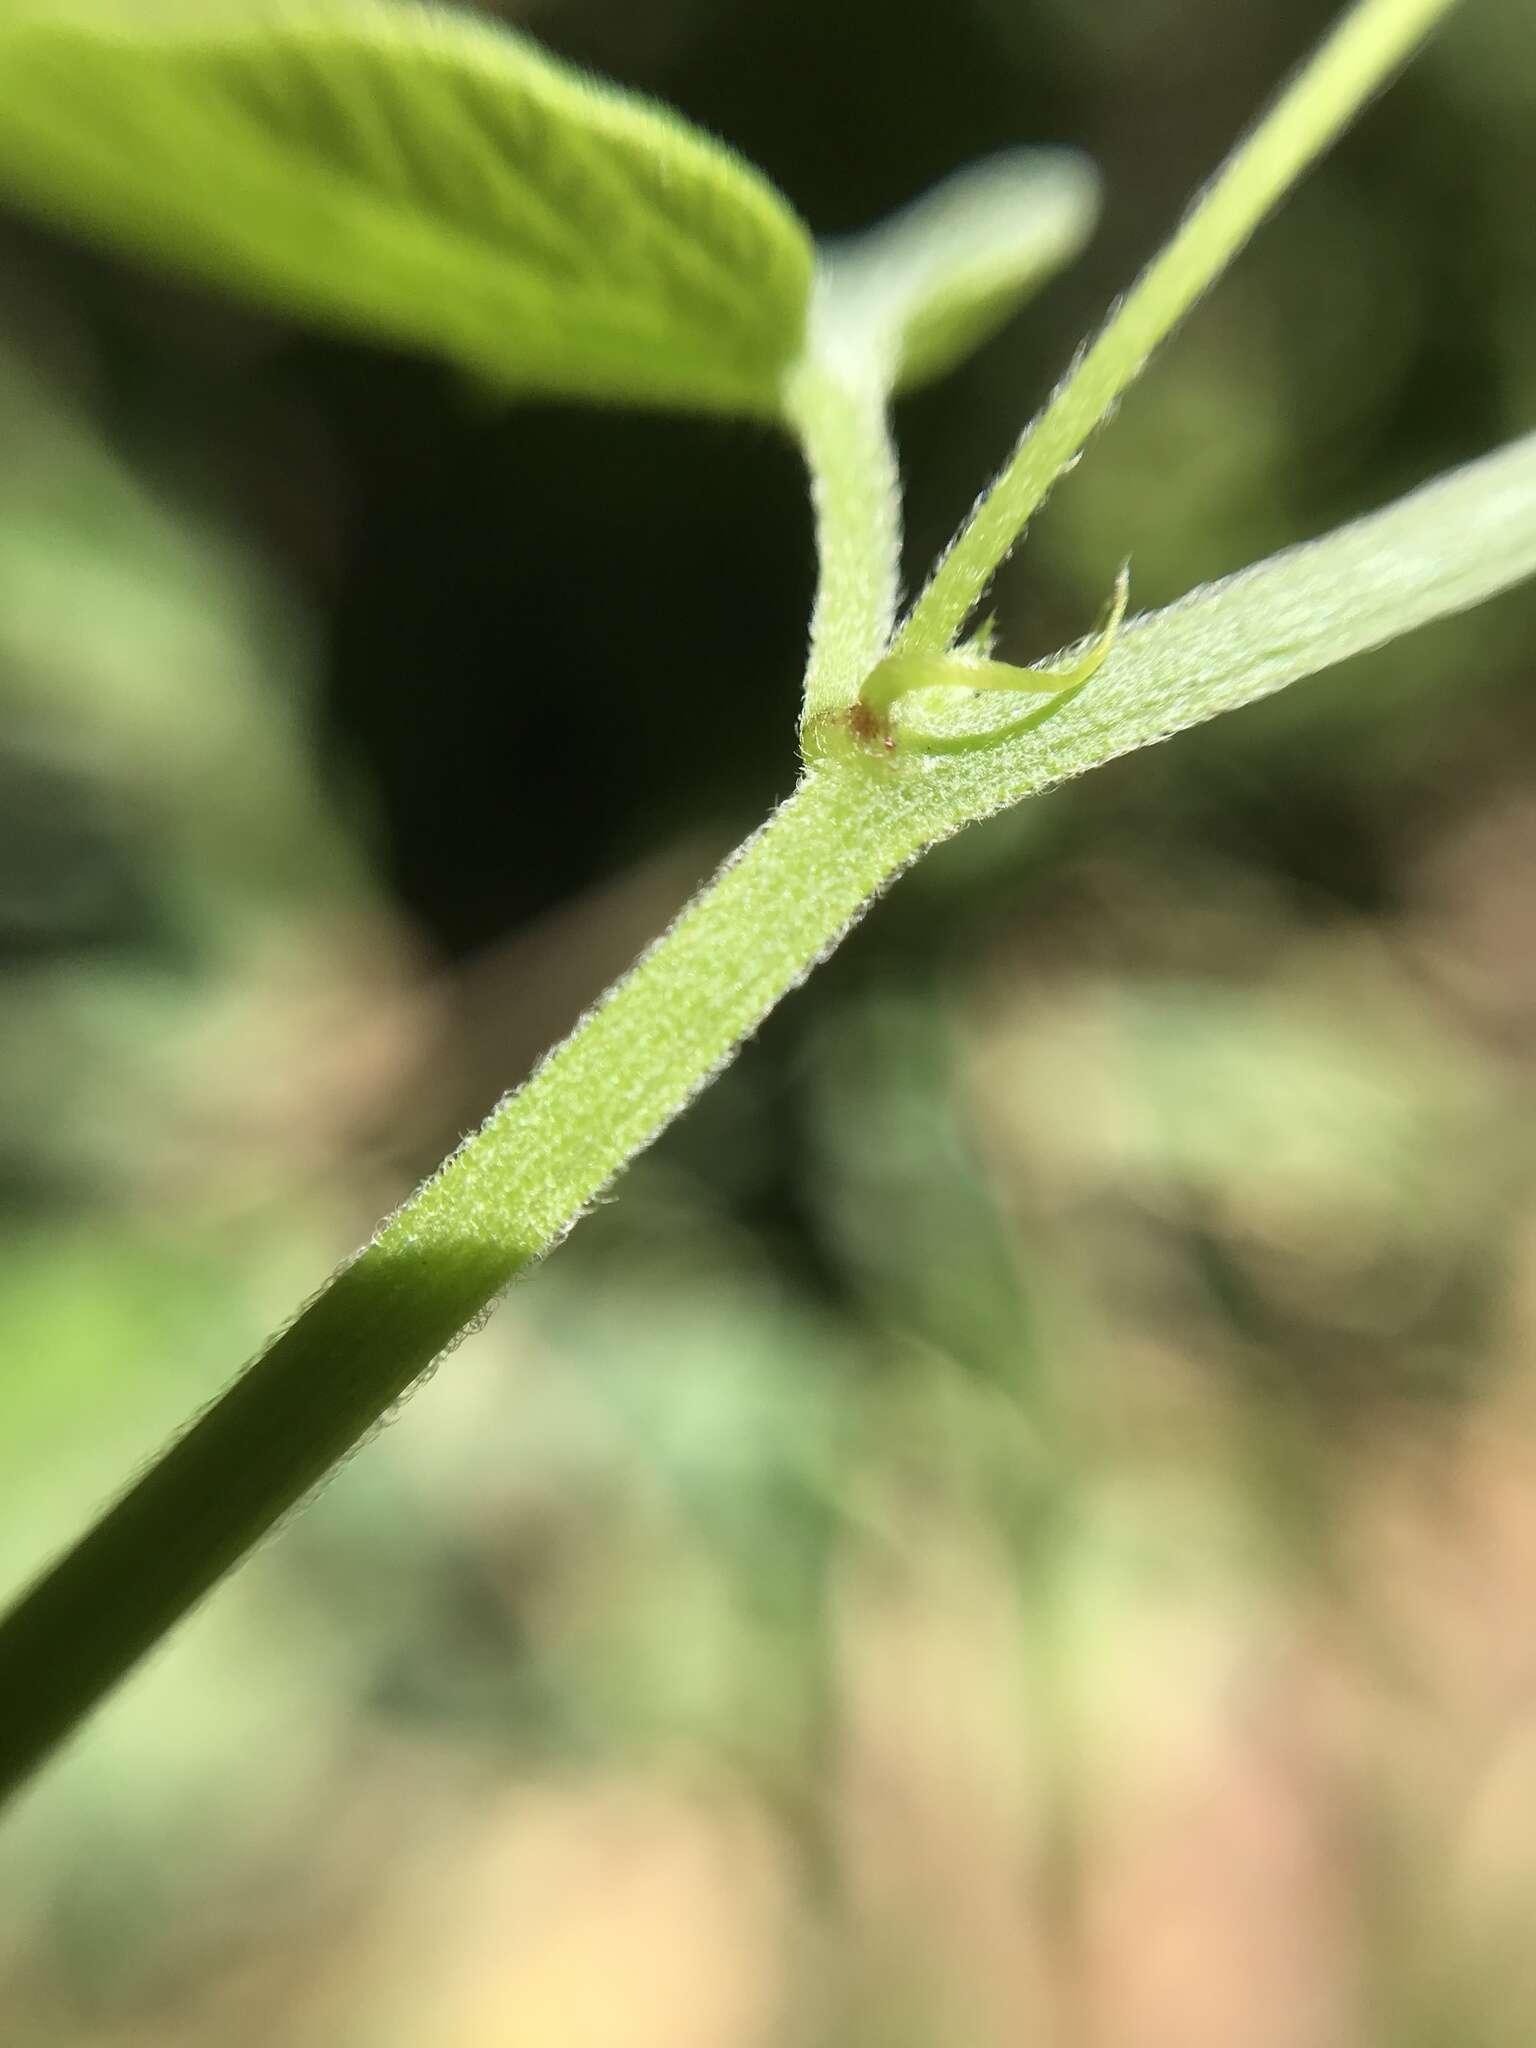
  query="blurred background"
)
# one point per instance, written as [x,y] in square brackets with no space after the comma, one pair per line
[1019,1522]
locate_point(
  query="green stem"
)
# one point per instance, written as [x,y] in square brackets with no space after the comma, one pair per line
[1368,44]
[840,416]
[513,1190]
[505,1198]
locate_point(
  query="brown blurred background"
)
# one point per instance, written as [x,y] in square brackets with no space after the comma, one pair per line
[1019,1524]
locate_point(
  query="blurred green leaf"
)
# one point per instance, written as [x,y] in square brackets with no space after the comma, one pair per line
[925,288]
[419,175]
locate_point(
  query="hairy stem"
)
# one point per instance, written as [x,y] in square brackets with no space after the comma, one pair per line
[1366,47]
[514,1189]
[839,414]
[506,1197]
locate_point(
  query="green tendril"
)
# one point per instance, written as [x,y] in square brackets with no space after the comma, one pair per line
[901,678]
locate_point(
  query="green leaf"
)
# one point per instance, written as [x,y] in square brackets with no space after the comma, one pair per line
[919,292]
[419,175]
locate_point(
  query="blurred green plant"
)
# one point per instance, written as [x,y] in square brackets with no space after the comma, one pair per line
[425,177]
